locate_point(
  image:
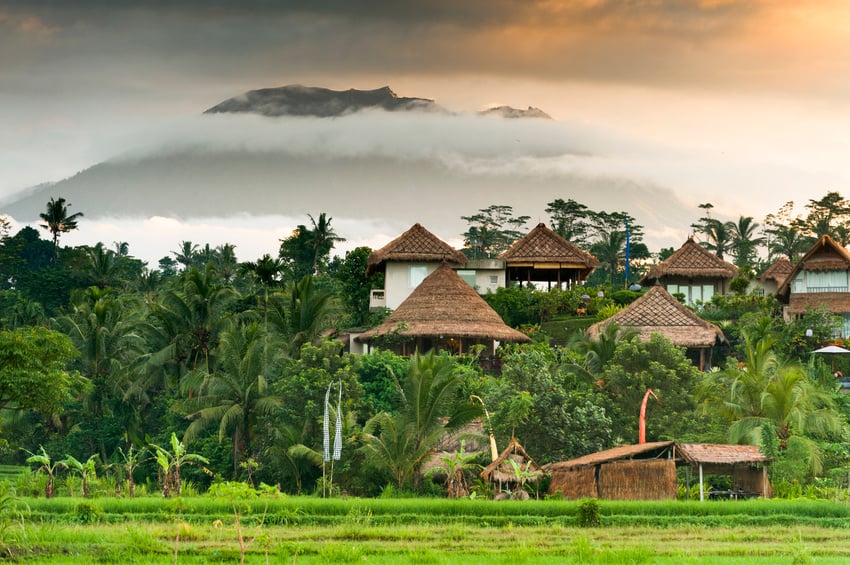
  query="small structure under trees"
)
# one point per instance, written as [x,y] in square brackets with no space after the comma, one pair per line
[512,470]
[648,471]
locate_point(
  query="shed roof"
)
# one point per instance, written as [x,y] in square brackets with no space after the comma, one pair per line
[709,453]
[657,311]
[445,305]
[692,260]
[415,245]
[542,244]
[639,451]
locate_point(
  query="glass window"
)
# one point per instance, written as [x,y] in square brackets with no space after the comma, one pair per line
[468,275]
[416,274]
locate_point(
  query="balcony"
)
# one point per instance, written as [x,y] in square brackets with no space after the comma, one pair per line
[377,299]
[812,289]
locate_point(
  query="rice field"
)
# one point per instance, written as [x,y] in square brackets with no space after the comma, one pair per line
[309,530]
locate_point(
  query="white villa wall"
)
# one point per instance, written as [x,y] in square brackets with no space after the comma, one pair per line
[397,280]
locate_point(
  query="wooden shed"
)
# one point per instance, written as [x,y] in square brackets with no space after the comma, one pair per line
[648,471]
[629,472]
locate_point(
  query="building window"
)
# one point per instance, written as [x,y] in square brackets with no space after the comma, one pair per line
[468,275]
[416,274]
[494,279]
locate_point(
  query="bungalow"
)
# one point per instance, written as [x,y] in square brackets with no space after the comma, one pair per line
[693,271]
[819,279]
[657,311]
[405,262]
[544,256]
[442,313]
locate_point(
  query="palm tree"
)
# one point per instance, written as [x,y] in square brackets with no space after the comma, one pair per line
[600,351]
[787,241]
[718,236]
[104,329]
[266,271]
[57,220]
[187,254]
[744,242]
[610,250]
[322,239]
[301,318]
[194,316]
[226,261]
[235,396]
[430,408]
[768,399]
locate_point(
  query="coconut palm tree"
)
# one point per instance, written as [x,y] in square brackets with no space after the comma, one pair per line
[401,442]
[322,239]
[300,317]
[744,241]
[610,249]
[769,396]
[236,395]
[57,220]
[718,236]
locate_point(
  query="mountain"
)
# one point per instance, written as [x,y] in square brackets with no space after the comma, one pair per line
[508,112]
[298,100]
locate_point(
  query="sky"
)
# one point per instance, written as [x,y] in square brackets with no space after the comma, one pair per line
[658,106]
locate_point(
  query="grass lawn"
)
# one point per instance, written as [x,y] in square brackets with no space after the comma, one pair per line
[308,530]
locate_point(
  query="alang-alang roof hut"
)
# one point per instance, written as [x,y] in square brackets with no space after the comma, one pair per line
[657,311]
[544,256]
[442,313]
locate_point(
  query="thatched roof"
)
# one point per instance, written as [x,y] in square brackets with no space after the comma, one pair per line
[542,245]
[778,271]
[649,450]
[445,305]
[693,261]
[707,453]
[501,469]
[834,302]
[415,245]
[825,255]
[657,311]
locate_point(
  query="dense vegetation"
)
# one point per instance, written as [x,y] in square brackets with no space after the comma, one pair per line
[119,378]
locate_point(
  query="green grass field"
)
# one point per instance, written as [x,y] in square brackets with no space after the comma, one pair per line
[384,531]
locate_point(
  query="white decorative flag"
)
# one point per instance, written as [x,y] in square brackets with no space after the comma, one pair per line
[338,431]
[326,456]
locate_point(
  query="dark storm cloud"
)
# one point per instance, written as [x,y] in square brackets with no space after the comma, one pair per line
[650,41]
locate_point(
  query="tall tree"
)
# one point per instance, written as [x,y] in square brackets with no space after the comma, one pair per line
[322,239]
[570,220]
[236,395]
[431,407]
[828,216]
[57,220]
[492,230]
[745,243]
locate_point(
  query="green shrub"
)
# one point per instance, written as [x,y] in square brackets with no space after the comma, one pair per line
[589,514]
[86,512]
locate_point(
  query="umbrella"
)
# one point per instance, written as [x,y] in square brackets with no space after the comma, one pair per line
[831,349]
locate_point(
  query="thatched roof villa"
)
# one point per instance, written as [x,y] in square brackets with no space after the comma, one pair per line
[544,256]
[657,311]
[693,271]
[442,313]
